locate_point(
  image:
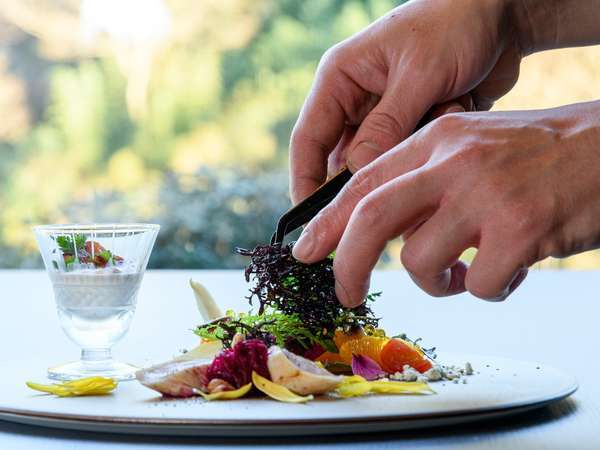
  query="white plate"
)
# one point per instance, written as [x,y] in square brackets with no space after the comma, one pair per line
[499,387]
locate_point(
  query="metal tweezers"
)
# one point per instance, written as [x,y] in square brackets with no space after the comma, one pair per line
[310,207]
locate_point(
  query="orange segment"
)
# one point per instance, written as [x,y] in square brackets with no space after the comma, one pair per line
[340,337]
[399,352]
[367,346]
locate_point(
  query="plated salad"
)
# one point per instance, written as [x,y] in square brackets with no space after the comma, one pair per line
[298,343]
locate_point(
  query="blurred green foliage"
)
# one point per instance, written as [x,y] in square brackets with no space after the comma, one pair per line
[190,131]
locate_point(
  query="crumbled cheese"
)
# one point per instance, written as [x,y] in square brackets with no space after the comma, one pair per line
[397,376]
[468,368]
[449,374]
[409,373]
[433,374]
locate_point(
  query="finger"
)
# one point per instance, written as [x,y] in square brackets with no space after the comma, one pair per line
[502,78]
[380,216]
[333,101]
[431,254]
[495,272]
[337,158]
[321,236]
[464,103]
[391,121]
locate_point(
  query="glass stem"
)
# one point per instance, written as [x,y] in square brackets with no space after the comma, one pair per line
[96,357]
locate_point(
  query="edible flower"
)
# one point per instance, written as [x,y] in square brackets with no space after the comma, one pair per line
[356,386]
[366,367]
[225,395]
[277,391]
[83,386]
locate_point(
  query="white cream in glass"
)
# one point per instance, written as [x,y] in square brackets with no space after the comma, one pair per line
[96,271]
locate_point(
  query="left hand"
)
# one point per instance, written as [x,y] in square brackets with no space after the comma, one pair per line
[518,186]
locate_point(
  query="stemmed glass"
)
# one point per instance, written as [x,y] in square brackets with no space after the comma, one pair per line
[96,271]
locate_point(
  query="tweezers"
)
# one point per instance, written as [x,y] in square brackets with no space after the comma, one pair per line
[310,207]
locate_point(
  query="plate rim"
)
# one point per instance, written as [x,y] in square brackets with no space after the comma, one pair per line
[561,395]
[278,427]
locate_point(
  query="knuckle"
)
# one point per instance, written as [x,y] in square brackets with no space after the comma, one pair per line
[416,264]
[300,140]
[362,183]
[381,122]
[370,212]
[411,260]
[448,123]
[296,137]
[471,155]
[327,220]
[333,57]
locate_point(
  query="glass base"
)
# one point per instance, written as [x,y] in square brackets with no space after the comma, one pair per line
[80,369]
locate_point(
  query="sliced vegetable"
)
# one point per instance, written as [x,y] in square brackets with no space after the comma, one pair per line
[207,306]
[399,352]
[365,367]
[226,395]
[83,386]
[277,391]
[368,346]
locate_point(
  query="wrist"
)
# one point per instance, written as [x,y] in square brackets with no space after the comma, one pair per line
[535,24]
[549,24]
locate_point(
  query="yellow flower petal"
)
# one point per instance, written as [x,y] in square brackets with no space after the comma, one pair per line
[355,386]
[277,391]
[354,390]
[83,386]
[226,395]
[352,379]
[400,387]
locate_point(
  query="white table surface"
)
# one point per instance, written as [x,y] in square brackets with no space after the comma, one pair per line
[553,319]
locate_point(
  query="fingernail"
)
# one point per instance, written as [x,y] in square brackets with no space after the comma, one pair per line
[455,109]
[363,154]
[342,295]
[304,246]
[516,282]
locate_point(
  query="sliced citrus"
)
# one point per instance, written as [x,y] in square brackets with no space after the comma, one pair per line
[367,346]
[398,352]
[340,337]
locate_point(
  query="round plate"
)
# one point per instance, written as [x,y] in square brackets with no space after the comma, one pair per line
[499,387]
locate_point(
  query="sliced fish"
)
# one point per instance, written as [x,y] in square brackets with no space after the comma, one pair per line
[176,378]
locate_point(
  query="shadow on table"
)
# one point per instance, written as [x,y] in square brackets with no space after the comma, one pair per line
[448,434]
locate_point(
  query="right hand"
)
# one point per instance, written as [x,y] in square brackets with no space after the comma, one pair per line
[372,89]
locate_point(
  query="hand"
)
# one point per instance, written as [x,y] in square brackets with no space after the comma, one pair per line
[518,186]
[371,90]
